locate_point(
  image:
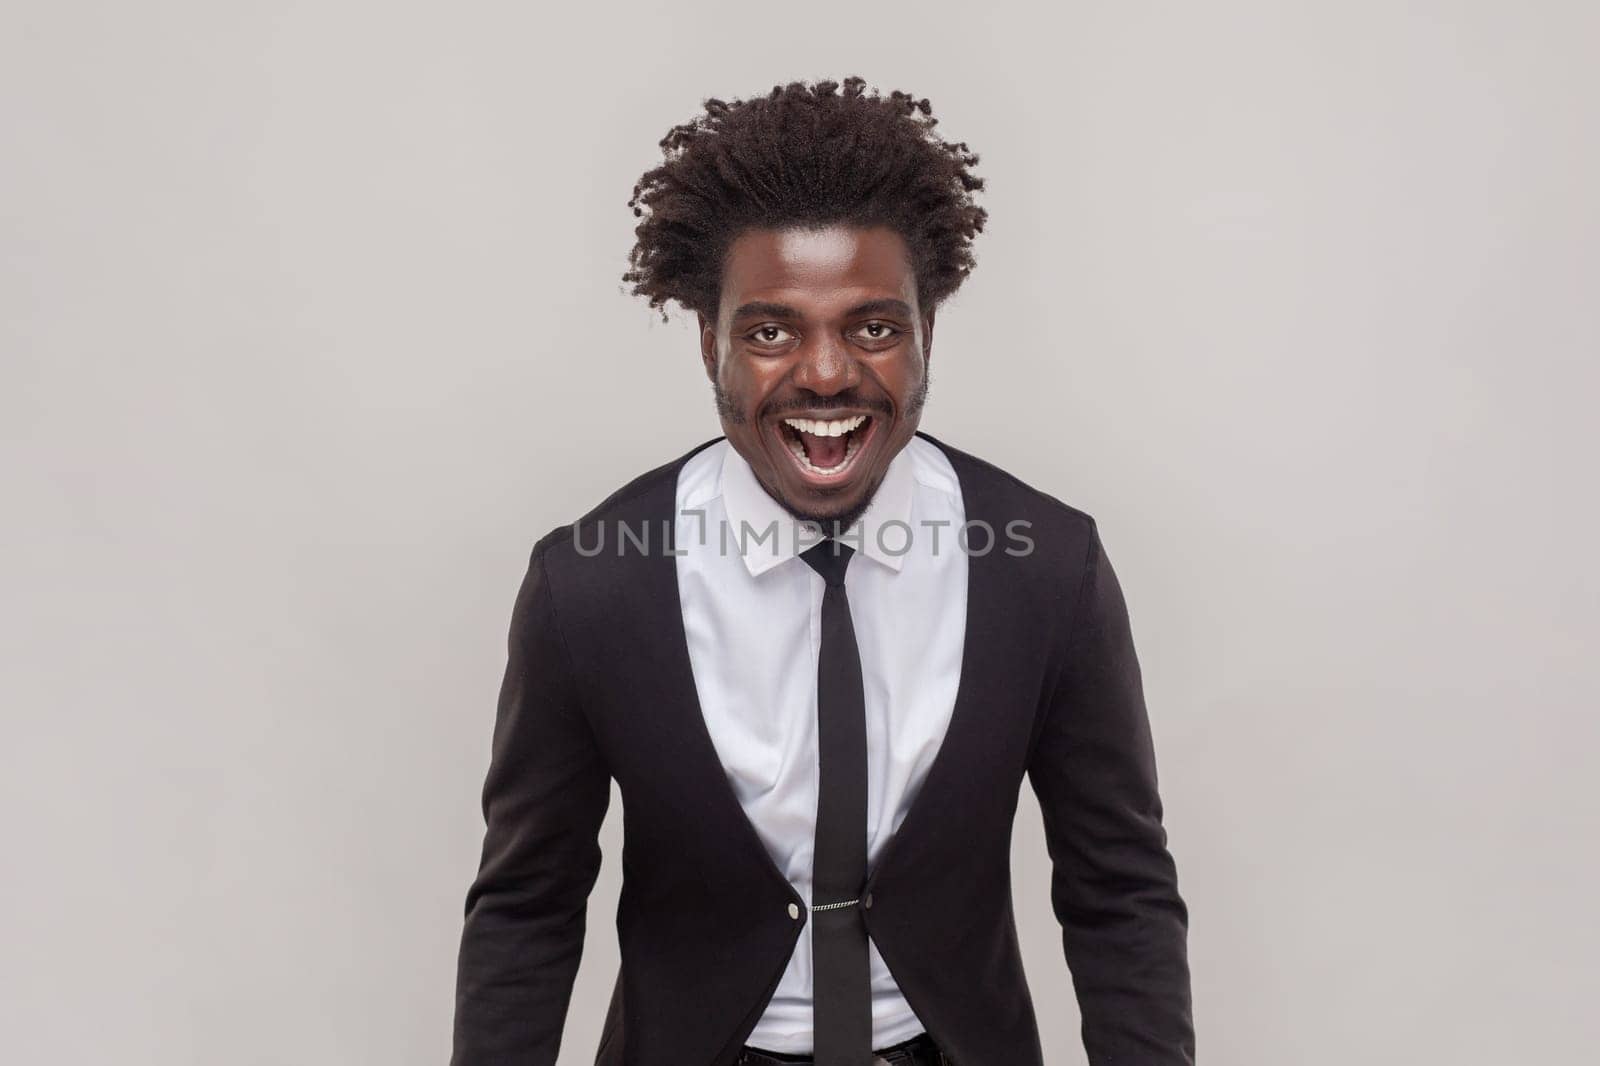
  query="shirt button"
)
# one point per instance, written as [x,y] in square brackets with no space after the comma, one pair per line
[794,910]
[866,901]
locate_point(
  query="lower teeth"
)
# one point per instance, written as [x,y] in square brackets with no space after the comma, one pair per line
[799,451]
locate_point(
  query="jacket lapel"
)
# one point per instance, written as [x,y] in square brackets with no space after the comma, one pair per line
[983,672]
[675,738]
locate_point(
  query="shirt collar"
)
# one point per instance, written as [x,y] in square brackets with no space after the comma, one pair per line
[752,512]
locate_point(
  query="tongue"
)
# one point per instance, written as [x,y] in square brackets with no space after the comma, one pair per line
[824,452]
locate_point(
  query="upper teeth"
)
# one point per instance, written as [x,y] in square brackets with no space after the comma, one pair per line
[836,428]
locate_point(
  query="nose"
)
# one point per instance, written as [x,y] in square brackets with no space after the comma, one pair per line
[826,367]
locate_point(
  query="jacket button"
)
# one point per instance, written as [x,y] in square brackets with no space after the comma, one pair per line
[866,901]
[794,910]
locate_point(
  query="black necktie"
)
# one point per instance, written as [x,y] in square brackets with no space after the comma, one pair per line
[842,988]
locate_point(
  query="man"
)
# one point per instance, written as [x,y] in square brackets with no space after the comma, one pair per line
[819,654]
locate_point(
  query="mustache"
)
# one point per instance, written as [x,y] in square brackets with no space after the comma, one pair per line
[729,410]
[842,402]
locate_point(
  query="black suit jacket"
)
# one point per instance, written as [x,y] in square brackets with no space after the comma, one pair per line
[598,686]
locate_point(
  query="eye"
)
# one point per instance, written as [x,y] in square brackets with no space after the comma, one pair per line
[878,331]
[769,334]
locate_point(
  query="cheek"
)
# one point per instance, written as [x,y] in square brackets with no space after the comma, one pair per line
[907,375]
[738,396]
[751,381]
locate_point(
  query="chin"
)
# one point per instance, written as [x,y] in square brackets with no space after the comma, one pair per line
[828,513]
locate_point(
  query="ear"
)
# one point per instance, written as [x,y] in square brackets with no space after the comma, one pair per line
[927,336]
[708,345]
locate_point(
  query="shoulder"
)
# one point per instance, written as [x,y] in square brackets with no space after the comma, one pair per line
[639,505]
[1044,581]
[999,497]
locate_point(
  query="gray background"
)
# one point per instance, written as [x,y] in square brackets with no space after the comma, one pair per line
[311,325]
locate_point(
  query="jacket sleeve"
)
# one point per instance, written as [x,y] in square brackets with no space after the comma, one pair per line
[1114,885]
[544,798]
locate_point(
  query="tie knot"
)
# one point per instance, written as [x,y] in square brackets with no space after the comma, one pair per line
[829,558]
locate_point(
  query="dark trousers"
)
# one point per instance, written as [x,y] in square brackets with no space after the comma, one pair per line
[920,1050]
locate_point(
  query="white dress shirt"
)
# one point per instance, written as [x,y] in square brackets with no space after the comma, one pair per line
[752,612]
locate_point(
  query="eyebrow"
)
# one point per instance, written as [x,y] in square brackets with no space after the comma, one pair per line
[763,309]
[881,307]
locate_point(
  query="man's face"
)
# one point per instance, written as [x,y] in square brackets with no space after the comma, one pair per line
[819,360]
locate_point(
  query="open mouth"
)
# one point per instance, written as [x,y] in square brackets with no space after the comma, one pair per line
[824,450]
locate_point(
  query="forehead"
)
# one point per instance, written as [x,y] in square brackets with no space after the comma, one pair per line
[813,268]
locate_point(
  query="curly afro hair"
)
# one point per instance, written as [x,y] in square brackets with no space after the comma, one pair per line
[802,155]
